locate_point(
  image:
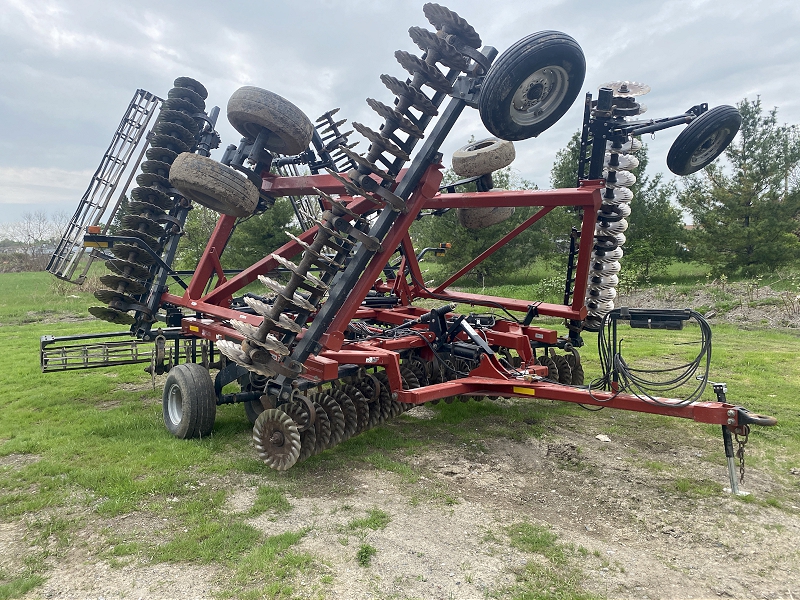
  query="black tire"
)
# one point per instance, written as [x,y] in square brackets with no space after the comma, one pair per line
[189,402]
[252,408]
[485,156]
[703,140]
[531,85]
[214,185]
[251,109]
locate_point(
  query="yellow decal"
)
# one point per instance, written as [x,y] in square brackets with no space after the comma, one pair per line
[193,328]
[524,391]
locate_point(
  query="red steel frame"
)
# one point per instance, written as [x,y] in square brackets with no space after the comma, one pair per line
[490,377]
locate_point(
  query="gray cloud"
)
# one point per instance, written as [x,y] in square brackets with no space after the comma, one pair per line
[69,68]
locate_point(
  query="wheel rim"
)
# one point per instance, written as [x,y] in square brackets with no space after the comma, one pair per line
[539,95]
[710,148]
[175,404]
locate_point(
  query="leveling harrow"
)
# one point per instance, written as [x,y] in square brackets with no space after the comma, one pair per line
[336,345]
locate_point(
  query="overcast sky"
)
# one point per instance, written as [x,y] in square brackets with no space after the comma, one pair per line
[68,68]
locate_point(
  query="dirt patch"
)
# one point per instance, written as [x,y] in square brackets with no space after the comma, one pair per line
[642,517]
[741,304]
[17,461]
[80,575]
[12,542]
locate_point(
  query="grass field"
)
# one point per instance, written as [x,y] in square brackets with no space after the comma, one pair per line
[76,447]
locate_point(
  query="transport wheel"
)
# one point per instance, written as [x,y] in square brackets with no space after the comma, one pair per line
[213,185]
[703,140]
[189,402]
[531,85]
[485,156]
[251,109]
[277,439]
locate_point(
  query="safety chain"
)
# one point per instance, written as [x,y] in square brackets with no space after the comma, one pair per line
[744,431]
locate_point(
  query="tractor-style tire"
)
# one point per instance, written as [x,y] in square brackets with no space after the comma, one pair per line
[703,140]
[484,216]
[531,85]
[251,109]
[485,156]
[214,185]
[189,401]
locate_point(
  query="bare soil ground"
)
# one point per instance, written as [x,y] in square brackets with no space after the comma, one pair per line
[743,304]
[634,533]
[642,516]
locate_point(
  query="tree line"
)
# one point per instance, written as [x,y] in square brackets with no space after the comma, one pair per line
[743,214]
[27,244]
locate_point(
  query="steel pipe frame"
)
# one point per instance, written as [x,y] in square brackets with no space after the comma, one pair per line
[490,378]
[215,302]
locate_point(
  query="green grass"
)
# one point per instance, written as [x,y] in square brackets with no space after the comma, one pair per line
[376,519]
[697,488]
[19,586]
[553,573]
[95,441]
[364,554]
[272,499]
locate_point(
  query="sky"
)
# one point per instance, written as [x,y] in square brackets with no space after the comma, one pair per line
[68,68]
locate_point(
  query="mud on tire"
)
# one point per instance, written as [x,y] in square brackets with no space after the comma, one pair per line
[214,185]
[251,109]
[482,157]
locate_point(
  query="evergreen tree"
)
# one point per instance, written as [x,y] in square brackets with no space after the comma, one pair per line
[564,173]
[539,241]
[252,239]
[255,237]
[122,210]
[655,227]
[746,221]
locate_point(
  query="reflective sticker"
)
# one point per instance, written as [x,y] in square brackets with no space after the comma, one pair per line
[524,391]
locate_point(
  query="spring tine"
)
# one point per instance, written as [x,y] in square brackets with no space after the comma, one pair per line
[235,353]
[417,99]
[327,116]
[451,23]
[351,188]
[291,298]
[285,263]
[251,333]
[342,208]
